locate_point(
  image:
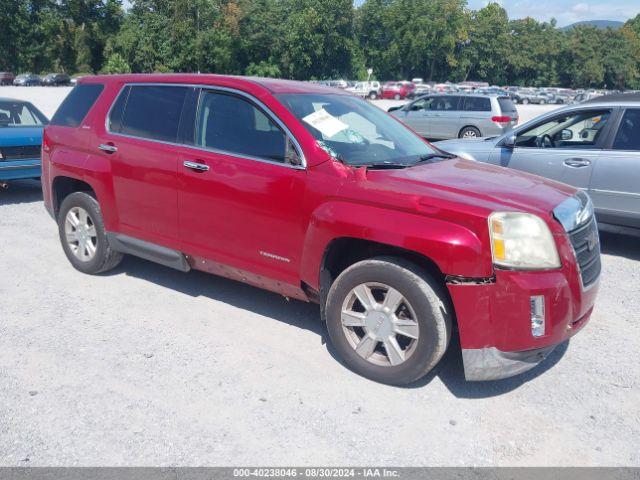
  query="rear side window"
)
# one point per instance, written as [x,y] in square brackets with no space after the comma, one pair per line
[477,104]
[506,105]
[151,112]
[628,137]
[77,104]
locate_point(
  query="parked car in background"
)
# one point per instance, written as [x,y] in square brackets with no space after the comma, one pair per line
[370,90]
[527,96]
[320,196]
[594,146]
[7,78]
[458,116]
[56,79]
[27,80]
[21,127]
[398,90]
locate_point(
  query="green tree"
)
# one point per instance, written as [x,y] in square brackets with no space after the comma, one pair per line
[116,63]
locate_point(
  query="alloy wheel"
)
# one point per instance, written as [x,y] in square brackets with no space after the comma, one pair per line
[80,233]
[380,324]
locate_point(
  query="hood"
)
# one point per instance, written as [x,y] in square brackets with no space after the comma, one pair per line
[20,136]
[479,185]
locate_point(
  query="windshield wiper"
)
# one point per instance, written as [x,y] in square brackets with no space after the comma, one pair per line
[382,165]
[433,156]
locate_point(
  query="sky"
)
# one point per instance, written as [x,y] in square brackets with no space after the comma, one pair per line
[567,12]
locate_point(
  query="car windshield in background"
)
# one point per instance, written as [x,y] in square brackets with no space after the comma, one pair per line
[19,114]
[355,132]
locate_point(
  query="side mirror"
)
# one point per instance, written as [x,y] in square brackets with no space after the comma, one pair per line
[566,134]
[509,141]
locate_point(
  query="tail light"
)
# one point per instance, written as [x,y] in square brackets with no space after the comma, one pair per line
[501,119]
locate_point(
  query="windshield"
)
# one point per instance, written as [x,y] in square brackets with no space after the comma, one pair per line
[19,114]
[354,131]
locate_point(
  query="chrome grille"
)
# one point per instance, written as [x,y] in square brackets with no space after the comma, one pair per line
[586,244]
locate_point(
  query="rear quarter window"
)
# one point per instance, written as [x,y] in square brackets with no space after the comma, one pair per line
[477,104]
[77,104]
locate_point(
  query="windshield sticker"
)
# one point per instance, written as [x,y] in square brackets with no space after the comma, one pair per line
[326,123]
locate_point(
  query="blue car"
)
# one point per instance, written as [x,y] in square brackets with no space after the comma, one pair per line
[21,126]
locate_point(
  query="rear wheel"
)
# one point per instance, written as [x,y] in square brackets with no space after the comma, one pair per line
[373,95]
[525,101]
[469,132]
[83,236]
[388,320]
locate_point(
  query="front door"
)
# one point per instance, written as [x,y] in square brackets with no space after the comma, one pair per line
[242,189]
[417,116]
[564,148]
[615,183]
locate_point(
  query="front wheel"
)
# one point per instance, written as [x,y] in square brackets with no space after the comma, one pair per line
[388,320]
[83,235]
[373,96]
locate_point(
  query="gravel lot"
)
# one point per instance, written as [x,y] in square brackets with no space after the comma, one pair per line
[150,366]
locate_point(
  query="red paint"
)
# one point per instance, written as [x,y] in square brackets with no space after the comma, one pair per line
[227,218]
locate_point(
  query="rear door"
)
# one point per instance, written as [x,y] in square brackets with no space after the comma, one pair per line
[140,143]
[615,183]
[475,112]
[242,186]
[564,147]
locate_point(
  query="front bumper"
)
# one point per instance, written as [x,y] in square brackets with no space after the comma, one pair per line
[494,316]
[493,364]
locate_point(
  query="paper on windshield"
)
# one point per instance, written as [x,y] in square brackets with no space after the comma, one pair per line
[326,123]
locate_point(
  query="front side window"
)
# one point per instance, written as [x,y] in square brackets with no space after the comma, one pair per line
[354,131]
[571,130]
[229,123]
[152,112]
[19,114]
[628,136]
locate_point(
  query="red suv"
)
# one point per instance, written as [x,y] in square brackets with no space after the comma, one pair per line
[317,195]
[398,90]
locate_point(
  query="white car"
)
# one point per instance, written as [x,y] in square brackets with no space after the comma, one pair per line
[370,90]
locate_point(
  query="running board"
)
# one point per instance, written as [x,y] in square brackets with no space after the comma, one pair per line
[148,251]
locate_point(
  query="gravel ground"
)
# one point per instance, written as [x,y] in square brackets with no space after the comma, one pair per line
[150,366]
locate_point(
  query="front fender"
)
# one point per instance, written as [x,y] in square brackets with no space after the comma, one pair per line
[455,249]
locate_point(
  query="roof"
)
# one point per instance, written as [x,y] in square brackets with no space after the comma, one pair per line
[273,85]
[13,100]
[615,98]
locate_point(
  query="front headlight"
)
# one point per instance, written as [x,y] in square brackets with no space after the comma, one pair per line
[522,241]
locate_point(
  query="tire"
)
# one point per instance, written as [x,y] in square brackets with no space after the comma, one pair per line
[525,101]
[543,102]
[469,132]
[397,96]
[422,298]
[104,258]
[373,96]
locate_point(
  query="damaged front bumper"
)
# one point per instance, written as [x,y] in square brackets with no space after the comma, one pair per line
[492,364]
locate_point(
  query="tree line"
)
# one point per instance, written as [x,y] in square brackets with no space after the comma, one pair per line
[315,39]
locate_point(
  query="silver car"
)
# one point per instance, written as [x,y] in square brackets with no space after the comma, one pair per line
[594,146]
[458,116]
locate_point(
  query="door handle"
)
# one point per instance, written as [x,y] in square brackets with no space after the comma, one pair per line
[200,167]
[105,147]
[577,162]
